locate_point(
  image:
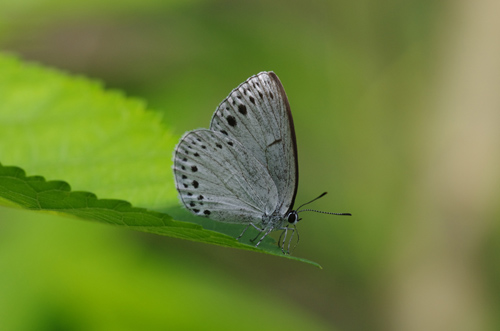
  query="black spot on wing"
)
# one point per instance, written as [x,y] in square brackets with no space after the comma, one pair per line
[231,120]
[242,109]
[194,168]
[195,184]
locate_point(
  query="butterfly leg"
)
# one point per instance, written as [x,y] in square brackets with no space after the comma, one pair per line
[258,229]
[265,235]
[241,235]
[279,239]
[257,236]
[282,244]
[285,232]
[291,236]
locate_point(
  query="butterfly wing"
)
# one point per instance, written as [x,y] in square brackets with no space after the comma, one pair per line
[218,177]
[257,114]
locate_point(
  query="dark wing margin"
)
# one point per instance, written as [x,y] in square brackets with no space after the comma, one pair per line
[292,132]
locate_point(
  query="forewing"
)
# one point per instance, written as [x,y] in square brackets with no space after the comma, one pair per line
[257,114]
[219,178]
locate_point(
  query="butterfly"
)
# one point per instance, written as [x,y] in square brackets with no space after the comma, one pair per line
[244,168]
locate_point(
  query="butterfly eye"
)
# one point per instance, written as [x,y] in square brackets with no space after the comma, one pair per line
[293,217]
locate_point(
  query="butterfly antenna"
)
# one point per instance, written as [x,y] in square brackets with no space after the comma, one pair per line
[319,211]
[326,212]
[302,205]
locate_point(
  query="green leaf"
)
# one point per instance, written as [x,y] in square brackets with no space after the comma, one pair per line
[70,128]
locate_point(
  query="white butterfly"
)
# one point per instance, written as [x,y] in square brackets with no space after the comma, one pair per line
[244,168]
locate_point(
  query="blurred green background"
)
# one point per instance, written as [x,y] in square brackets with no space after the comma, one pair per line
[397,113]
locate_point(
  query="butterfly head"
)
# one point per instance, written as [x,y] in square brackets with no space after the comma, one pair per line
[293,218]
